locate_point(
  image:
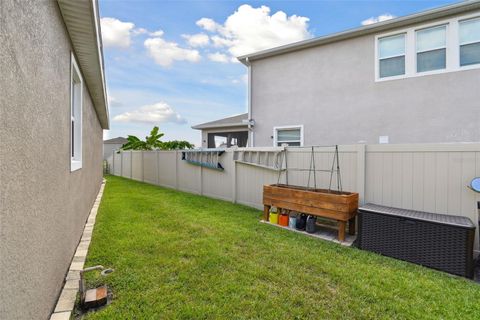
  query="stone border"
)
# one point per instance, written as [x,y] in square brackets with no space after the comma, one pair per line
[66,301]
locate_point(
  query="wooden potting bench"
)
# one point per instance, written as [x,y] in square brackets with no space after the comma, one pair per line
[336,205]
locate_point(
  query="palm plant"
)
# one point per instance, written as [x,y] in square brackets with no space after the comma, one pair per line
[177,145]
[153,142]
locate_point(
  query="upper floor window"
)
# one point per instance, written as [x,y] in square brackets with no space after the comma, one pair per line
[448,45]
[76,87]
[431,48]
[469,40]
[291,136]
[391,52]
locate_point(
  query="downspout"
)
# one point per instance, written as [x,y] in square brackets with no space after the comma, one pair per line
[249,102]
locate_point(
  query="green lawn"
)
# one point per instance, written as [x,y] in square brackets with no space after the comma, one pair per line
[182,256]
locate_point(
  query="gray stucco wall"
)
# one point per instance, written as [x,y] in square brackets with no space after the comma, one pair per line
[43,205]
[331,90]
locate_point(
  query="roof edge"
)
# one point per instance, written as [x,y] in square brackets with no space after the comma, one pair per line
[214,124]
[82,21]
[204,126]
[468,5]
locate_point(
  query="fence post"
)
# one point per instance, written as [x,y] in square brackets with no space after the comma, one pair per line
[121,164]
[361,174]
[234,180]
[131,164]
[113,163]
[158,167]
[176,169]
[201,180]
[143,168]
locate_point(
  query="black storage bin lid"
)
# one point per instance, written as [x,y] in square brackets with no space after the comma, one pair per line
[457,221]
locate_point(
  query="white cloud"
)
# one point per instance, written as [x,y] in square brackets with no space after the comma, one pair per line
[208,24]
[156,113]
[380,18]
[116,33]
[157,33]
[112,102]
[138,31]
[196,40]
[241,80]
[165,53]
[221,42]
[251,29]
[218,57]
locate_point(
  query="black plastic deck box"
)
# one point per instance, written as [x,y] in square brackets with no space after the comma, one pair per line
[441,242]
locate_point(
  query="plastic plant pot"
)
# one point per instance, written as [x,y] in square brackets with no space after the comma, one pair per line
[301,222]
[273,218]
[283,220]
[311,224]
[292,221]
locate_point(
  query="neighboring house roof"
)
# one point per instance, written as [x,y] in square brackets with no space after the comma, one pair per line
[83,24]
[117,140]
[436,13]
[234,121]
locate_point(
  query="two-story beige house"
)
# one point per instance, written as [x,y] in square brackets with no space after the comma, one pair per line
[413,79]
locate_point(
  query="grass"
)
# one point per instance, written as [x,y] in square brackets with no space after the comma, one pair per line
[182,256]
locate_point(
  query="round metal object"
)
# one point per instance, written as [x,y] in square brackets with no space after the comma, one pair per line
[475,184]
[106,272]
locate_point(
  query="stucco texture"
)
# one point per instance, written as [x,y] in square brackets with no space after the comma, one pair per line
[331,90]
[43,205]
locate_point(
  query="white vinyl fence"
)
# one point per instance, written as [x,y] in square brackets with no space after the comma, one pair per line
[426,177]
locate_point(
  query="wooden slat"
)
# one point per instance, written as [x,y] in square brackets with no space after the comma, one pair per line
[295,199]
[319,195]
[342,216]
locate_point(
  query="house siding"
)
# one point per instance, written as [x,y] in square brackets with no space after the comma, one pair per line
[43,205]
[331,90]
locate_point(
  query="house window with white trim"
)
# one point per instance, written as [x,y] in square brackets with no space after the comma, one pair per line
[431,45]
[469,40]
[291,136]
[391,53]
[76,87]
[448,45]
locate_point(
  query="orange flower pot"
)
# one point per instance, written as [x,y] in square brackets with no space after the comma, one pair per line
[283,220]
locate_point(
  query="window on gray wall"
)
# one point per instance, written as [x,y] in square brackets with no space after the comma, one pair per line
[290,136]
[391,52]
[76,87]
[431,48]
[469,42]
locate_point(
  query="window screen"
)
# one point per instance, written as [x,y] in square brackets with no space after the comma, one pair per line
[469,42]
[391,52]
[291,137]
[431,49]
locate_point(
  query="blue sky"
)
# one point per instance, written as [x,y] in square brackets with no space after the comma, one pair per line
[158,74]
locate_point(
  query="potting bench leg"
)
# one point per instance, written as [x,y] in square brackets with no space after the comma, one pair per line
[341,230]
[266,211]
[351,226]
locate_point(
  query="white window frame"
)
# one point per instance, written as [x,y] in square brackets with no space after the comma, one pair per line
[466,43]
[291,127]
[377,52]
[432,49]
[452,49]
[75,151]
